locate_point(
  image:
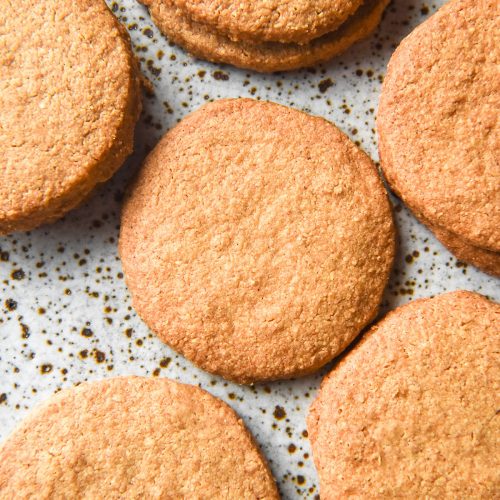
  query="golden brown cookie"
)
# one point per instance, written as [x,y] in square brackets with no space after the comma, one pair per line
[257,240]
[206,43]
[271,20]
[438,121]
[69,100]
[133,438]
[412,411]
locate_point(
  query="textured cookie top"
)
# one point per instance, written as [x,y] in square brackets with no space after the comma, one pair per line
[204,42]
[438,120]
[133,438]
[257,240]
[412,411]
[69,97]
[270,20]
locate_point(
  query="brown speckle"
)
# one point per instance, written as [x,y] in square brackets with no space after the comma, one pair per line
[11,304]
[220,75]
[325,84]
[279,413]
[17,274]
[99,356]
[87,332]
[47,368]
[165,362]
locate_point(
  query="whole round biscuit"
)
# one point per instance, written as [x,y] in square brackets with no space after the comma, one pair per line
[412,410]
[133,438]
[69,100]
[206,43]
[271,20]
[438,121]
[257,240]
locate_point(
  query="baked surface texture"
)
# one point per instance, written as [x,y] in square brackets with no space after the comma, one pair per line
[256,240]
[133,437]
[205,43]
[438,121]
[412,410]
[69,100]
[270,20]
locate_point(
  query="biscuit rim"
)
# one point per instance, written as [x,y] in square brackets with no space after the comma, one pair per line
[481,258]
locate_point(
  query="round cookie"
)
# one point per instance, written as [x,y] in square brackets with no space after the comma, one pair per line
[69,101]
[412,410]
[438,121]
[257,240]
[207,44]
[274,20]
[133,438]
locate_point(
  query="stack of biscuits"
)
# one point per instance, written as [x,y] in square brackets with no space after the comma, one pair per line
[438,128]
[266,36]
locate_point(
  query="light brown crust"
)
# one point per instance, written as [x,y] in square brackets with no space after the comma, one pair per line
[207,44]
[69,101]
[133,438]
[257,240]
[438,121]
[412,411]
[283,21]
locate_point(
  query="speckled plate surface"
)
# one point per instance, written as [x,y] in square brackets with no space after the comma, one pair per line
[65,310]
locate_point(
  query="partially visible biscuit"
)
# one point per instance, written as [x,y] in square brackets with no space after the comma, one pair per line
[69,101]
[483,259]
[256,240]
[438,121]
[272,20]
[133,438]
[412,410]
[486,260]
[203,42]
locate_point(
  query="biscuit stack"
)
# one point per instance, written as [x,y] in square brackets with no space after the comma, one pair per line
[69,101]
[439,129]
[266,36]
